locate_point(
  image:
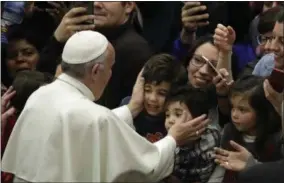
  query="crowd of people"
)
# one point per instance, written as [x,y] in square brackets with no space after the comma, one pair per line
[168,92]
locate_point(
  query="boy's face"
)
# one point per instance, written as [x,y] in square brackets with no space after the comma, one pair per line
[176,112]
[242,114]
[155,96]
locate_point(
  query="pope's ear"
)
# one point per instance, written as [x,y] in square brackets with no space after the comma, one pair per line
[96,70]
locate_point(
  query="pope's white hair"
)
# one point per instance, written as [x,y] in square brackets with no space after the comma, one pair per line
[80,70]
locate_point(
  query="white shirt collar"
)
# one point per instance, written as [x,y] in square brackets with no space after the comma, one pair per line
[78,85]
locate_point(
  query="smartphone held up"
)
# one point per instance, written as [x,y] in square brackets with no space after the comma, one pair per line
[276,80]
[89,5]
[202,12]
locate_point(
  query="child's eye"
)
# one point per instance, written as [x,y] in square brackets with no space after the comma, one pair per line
[167,114]
[242,109]
[162,93]
[147,90]
[178,114]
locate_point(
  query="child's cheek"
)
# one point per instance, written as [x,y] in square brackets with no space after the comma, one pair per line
[182,119]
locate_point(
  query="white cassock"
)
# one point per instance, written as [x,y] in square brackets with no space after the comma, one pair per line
[63,136]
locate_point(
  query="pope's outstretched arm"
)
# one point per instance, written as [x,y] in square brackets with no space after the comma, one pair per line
[129,155]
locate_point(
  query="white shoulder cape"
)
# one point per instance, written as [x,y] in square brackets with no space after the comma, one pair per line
[62,136]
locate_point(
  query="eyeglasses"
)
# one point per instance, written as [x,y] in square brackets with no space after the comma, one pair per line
[200,60]
[261,39]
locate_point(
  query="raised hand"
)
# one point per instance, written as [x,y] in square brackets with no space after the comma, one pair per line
[273,96]
[224,38]
[230,160]
[5,99]
[222,82]
[190,20]
[7,112]
[136,103]
[72,23]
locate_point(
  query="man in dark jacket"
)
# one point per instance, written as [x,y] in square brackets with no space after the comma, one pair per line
[114,20]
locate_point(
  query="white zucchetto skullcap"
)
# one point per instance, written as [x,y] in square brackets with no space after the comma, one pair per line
[84,47]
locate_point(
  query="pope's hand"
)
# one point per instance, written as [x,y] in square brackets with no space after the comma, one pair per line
[137,99]
[189,131]
[72,23]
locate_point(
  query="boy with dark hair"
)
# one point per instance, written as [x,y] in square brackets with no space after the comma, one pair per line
[193,162]
[161,72]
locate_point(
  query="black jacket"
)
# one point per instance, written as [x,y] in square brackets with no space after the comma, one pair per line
[131,53]
[271,172]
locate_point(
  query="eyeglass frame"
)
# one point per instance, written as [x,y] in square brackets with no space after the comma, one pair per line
[205,59]
[268,38]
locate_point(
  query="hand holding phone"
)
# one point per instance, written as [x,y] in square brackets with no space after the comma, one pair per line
[211,65]
[194,15]
[72,23]
[202,11]
[276,80]
[89,5]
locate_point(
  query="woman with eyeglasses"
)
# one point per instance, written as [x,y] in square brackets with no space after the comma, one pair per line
[207,55]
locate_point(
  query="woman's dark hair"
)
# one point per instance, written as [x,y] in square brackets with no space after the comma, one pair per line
[267,20]
[24,31]
[25,83]
[196,99]
[268,121]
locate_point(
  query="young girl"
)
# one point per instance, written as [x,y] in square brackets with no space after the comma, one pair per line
[255,125]
[193,162]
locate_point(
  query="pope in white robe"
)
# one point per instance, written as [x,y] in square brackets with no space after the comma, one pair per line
[63,136]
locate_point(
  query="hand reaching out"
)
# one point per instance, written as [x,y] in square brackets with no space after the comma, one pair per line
[235,161]
[188,131]
[224,38]
[5,99]
[7,112]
